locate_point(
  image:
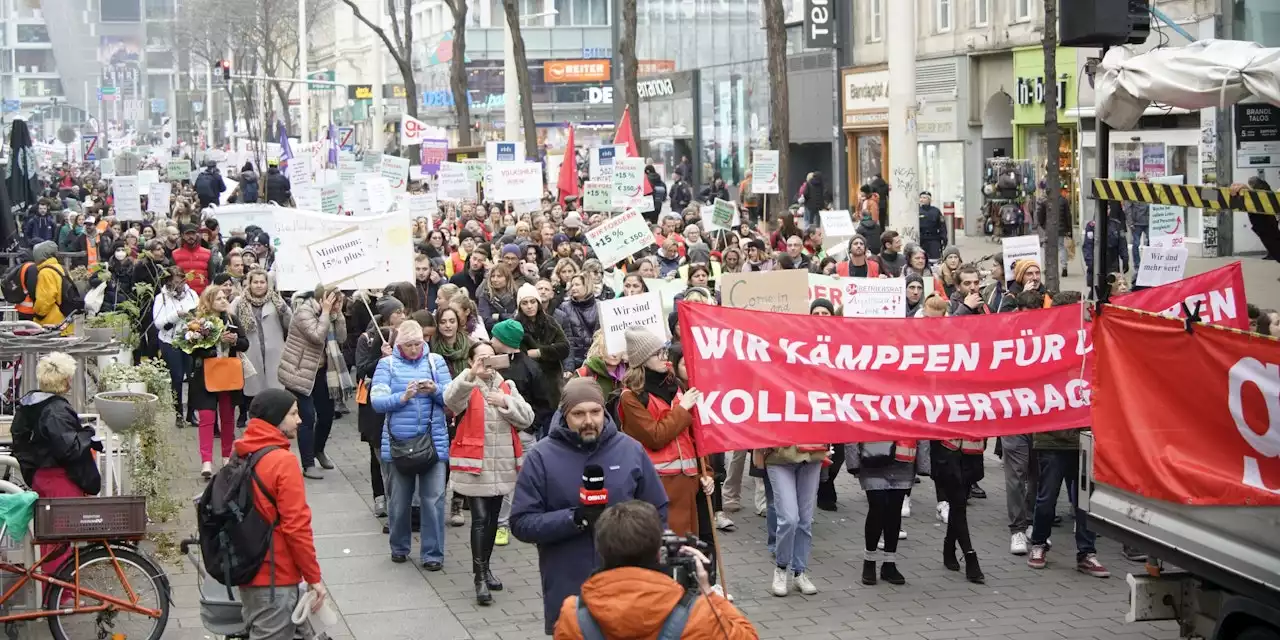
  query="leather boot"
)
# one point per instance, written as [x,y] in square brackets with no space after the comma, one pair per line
[889,573]
[868,572]
[973,572]
[483,597]
[949,554]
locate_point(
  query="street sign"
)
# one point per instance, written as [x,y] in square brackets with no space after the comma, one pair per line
[346,140]
[157,105]
[12,106]
[327,76]
[90,141]
[107,91]
[197,106]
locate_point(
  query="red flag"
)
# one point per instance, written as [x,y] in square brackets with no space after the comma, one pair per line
[567,182]
[624,137]
[1220,292]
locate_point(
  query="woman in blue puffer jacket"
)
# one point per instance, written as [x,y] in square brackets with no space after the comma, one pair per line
[408,388]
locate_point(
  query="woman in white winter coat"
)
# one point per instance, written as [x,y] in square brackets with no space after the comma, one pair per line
[264,316]
[486,454]
[174,301]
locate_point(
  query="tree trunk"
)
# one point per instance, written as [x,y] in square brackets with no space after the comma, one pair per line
[1051,268]
[522,80]
[779,115]
[283,96]
[458,71]
[630,69]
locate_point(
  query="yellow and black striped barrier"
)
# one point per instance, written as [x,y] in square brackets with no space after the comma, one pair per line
[1187,195]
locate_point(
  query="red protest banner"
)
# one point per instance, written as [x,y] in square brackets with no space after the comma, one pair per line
[1220,293]
[768,382]
[1192,418]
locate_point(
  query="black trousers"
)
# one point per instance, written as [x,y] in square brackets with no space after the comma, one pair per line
[484,528]
[958,520]
[884,518]
[375,469]
[706,532]
[827,487]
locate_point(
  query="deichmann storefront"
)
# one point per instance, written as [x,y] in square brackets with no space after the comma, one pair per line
[864,105]
[1029,140]
[669,116]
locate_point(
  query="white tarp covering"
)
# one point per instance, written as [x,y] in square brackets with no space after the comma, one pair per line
[1208,73]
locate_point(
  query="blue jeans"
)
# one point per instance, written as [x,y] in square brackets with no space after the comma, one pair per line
[1139,231]
[306,430]
[1057,467]
[795,493]
[176,361]
[430,487]
[770,516]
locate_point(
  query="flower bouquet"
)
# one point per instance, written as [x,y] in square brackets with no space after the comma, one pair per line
[198,332]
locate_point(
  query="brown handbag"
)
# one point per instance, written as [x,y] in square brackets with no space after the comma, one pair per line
[223,374]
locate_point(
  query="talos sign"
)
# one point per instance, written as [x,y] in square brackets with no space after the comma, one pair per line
[562,71]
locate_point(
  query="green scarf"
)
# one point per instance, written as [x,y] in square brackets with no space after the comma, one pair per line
[455,354]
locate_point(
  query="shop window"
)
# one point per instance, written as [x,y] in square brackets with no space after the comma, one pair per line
[32,33]
[1257,21]
[121,10]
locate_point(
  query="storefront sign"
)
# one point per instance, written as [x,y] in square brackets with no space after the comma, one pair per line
[671,85]
[360,92]
[1031,91]
[1257,135]
[654,67]
[819,24]
[561,71]
[597,52]
[599,95]
[937,122]
[865,98]
[660,88]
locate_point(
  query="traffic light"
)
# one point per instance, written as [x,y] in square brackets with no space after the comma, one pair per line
[225,66]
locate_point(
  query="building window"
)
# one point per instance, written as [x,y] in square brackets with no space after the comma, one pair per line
[876,10]
[1021,10]
[942,17]
[580,13]
[32,33]
[981,13]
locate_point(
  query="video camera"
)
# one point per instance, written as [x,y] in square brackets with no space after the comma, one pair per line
[682,568]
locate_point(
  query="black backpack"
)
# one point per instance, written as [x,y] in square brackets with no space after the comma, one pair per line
[12,286]
[72,300]
[204,185]
[234,537]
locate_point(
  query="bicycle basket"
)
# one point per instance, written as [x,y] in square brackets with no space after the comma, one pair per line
[90,518]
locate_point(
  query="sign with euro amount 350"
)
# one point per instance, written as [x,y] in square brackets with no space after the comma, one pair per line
[620,237]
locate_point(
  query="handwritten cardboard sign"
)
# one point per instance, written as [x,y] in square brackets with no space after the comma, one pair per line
[779,291]
[619,237]
[643,311]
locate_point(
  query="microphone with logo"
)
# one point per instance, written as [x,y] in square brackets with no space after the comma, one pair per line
[593,497]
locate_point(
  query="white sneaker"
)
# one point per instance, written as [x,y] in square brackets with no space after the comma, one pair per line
[805,585]
[723,522]
[906,507]
[1018,544]
[380,506]
[944,511]
[779,587]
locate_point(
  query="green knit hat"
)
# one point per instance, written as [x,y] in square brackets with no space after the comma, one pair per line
[509,332]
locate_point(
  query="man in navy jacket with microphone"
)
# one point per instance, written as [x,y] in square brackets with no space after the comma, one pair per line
[553,508]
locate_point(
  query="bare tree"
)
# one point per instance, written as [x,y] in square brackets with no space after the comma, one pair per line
[458,71]
[630,67]
[775,30]
[399,43]
[510,8]
[1052,228]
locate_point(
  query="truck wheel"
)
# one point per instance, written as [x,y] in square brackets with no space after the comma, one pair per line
[1259,632]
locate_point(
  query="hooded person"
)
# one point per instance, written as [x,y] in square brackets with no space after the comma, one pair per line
[914,299]
[547,510]
[47,295]
[546,343]
[279,496]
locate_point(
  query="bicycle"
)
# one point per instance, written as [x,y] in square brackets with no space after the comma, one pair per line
[98,538]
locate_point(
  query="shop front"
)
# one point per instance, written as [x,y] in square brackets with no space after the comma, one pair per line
[864,106]
[1030,141]
[669,115]
[942,132]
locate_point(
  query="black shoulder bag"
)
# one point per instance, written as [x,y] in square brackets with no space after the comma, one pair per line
[416,455]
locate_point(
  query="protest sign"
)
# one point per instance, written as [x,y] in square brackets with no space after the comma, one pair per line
[597,195]
[619,237]
[453,183]
[301,169]
[774,381]
[421,205]
[628,182]
[838,224]
[475,169]
[1219,293]
[371,161]
[643,311]
[553,173]
[722,214]
[340,257]
[514,181]
[395,170]
[1161,266]
[644,204]
[431,154]
[232,185]
[1166,224]
[831,289]
[600,161]
[387,238]
[128,198]
[148,177]
[1019,247]
[667,290]
[307,197]
[331,199]
[158,196]
[179,169]
[347,170]
[379,193]
[526,206]
[764,171]
[780,291]
[501,151]
[874,297]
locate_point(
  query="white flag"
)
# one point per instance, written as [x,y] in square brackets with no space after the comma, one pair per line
[411,130]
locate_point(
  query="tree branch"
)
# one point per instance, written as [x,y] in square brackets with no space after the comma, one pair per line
[377,31]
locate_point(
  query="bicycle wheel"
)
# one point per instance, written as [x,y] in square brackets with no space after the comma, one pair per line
[97,572]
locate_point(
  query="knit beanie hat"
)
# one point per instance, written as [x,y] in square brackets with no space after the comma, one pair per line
[509,332]
[578,391]
[408,331]
[949,251]
[911,277]
[641,345]
[526,290]
[1020,268]
[511,249]
[271,405]
[698,252]
[44,251]
[822,303]
[386,306]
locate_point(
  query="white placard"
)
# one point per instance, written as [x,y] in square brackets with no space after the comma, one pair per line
[838,224]
[379,193]
[1019,247]
[619,237]
[643,311]
[395,170]
[514,181]
[628,183]
[307,197]
[422,205]
[526,206]
[301,169]
[340,257]
[597,195]
[1161,266]
[388,239]
[764,171]
[1167,225]
[331,198]
[453,183]
[231,189]
[600,160]
[347,170]
[553,173]
[146,178]
[874,297]
[158,196]
[128,198]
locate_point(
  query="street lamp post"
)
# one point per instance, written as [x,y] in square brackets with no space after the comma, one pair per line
[510,87]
